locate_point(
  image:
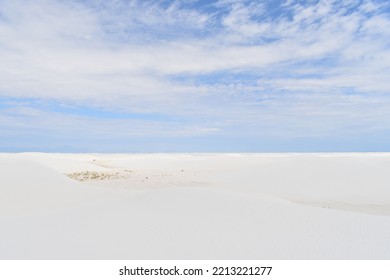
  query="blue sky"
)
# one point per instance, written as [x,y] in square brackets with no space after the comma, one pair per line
[194,76]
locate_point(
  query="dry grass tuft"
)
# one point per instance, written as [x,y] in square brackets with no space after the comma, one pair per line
[96,175]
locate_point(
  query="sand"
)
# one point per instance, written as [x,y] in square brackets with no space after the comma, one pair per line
[195,206]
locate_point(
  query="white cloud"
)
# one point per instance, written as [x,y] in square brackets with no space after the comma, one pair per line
[141,56]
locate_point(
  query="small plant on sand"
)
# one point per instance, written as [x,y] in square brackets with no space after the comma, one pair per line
[96,175]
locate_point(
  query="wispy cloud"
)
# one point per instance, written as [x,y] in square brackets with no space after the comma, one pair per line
[284,69]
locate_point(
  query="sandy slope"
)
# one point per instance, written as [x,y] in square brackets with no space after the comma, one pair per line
[192,206]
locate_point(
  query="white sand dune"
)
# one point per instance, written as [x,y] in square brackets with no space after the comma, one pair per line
[195,206]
